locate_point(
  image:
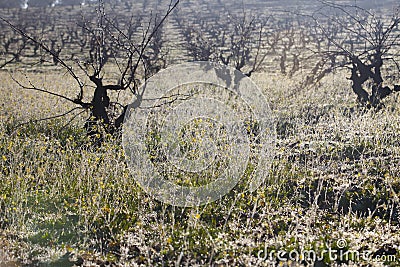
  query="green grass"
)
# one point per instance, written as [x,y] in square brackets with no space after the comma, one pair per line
[335,176]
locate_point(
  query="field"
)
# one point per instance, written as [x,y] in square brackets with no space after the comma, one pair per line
[332,190]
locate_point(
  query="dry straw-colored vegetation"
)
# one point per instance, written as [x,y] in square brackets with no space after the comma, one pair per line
[335,176]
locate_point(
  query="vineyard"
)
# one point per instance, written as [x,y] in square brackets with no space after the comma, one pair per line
[330,72]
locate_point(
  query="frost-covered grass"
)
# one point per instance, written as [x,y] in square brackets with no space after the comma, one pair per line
[336,175]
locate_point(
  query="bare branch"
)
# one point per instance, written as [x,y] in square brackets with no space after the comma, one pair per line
[33,87]
[48,50]
[47,118]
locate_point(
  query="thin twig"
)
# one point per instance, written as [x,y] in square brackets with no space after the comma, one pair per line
[44,119]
